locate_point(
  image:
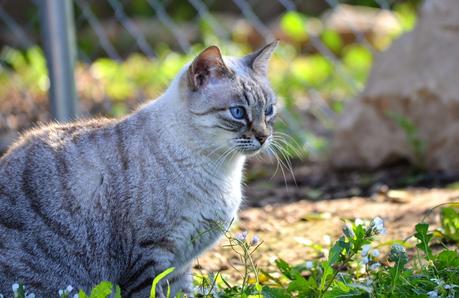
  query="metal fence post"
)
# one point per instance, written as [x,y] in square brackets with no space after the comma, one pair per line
[59,43]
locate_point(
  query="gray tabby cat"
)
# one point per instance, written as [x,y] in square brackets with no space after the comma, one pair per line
[123,200]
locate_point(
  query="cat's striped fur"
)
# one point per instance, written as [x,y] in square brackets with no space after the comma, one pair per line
[123,200]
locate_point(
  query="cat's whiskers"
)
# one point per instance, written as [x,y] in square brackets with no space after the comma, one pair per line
[280,164]
[293,144]
[287,163]
[273,154]
[281,141]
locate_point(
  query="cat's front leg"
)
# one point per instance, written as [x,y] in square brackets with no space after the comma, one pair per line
[182,283]
[153,263]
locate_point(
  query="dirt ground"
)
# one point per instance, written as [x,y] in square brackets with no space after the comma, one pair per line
[292,218]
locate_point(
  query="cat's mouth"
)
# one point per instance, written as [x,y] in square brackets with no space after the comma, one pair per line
[251,148]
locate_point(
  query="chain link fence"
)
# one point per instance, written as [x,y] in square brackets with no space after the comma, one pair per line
[127,52]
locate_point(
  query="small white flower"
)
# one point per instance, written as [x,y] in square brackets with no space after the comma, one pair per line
[359,222]
[69,289]
[365,260]
[76,296]
[449,287]
[437,281]
[309,265]
[375,253]
[60,292]
[378,221]
[432,294]
[241,236]
[378,225]
[15,287]
[255,240]
[327,240]
[375,266]
[365,250]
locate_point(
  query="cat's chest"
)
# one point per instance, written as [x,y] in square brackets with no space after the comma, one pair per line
[207,216]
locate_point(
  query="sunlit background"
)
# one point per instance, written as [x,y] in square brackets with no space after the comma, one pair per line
[369,111]
[128,51]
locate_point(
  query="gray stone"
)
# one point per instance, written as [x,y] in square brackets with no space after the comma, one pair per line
[417,80]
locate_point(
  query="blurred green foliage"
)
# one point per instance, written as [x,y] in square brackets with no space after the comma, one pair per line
[294,25]
[450,223]
[297,70]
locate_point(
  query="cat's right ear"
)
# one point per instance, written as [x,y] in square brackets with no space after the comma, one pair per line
[206,66]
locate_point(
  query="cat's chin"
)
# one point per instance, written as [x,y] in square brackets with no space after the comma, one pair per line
[250,152]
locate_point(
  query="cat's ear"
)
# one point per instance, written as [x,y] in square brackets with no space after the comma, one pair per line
[258,61]
[206,66]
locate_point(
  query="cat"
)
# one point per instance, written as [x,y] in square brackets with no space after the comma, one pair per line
[123,200]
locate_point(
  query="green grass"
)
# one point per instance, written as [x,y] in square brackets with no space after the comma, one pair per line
[353,266]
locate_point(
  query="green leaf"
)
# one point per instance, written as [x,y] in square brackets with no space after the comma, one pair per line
[117,292]
[447,259]
[274,293]
[20,292]
[423,235]
[102,290]
[360,238]
[335,252]
[327,272]
[285,268]
[303,286]
[157,279]
[450,223]
[340,289]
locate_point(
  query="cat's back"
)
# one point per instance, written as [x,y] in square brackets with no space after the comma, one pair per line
[39,202]
[44,160]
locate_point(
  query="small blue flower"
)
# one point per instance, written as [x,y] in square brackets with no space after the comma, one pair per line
[255,240]
[241,236]
[365,250]
[377,224]
[375,266]
[365,260]
[375,253]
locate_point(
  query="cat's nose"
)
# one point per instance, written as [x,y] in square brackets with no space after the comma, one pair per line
[261,138]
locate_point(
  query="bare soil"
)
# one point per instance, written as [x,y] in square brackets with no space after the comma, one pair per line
[292,218]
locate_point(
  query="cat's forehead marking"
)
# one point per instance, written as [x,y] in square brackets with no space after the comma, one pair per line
[252,91]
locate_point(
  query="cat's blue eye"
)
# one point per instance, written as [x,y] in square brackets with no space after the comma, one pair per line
[269,110]
[237,112]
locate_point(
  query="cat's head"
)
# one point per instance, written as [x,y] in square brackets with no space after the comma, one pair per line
[230,100]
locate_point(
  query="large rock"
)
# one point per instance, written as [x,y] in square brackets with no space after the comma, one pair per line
[409,109]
